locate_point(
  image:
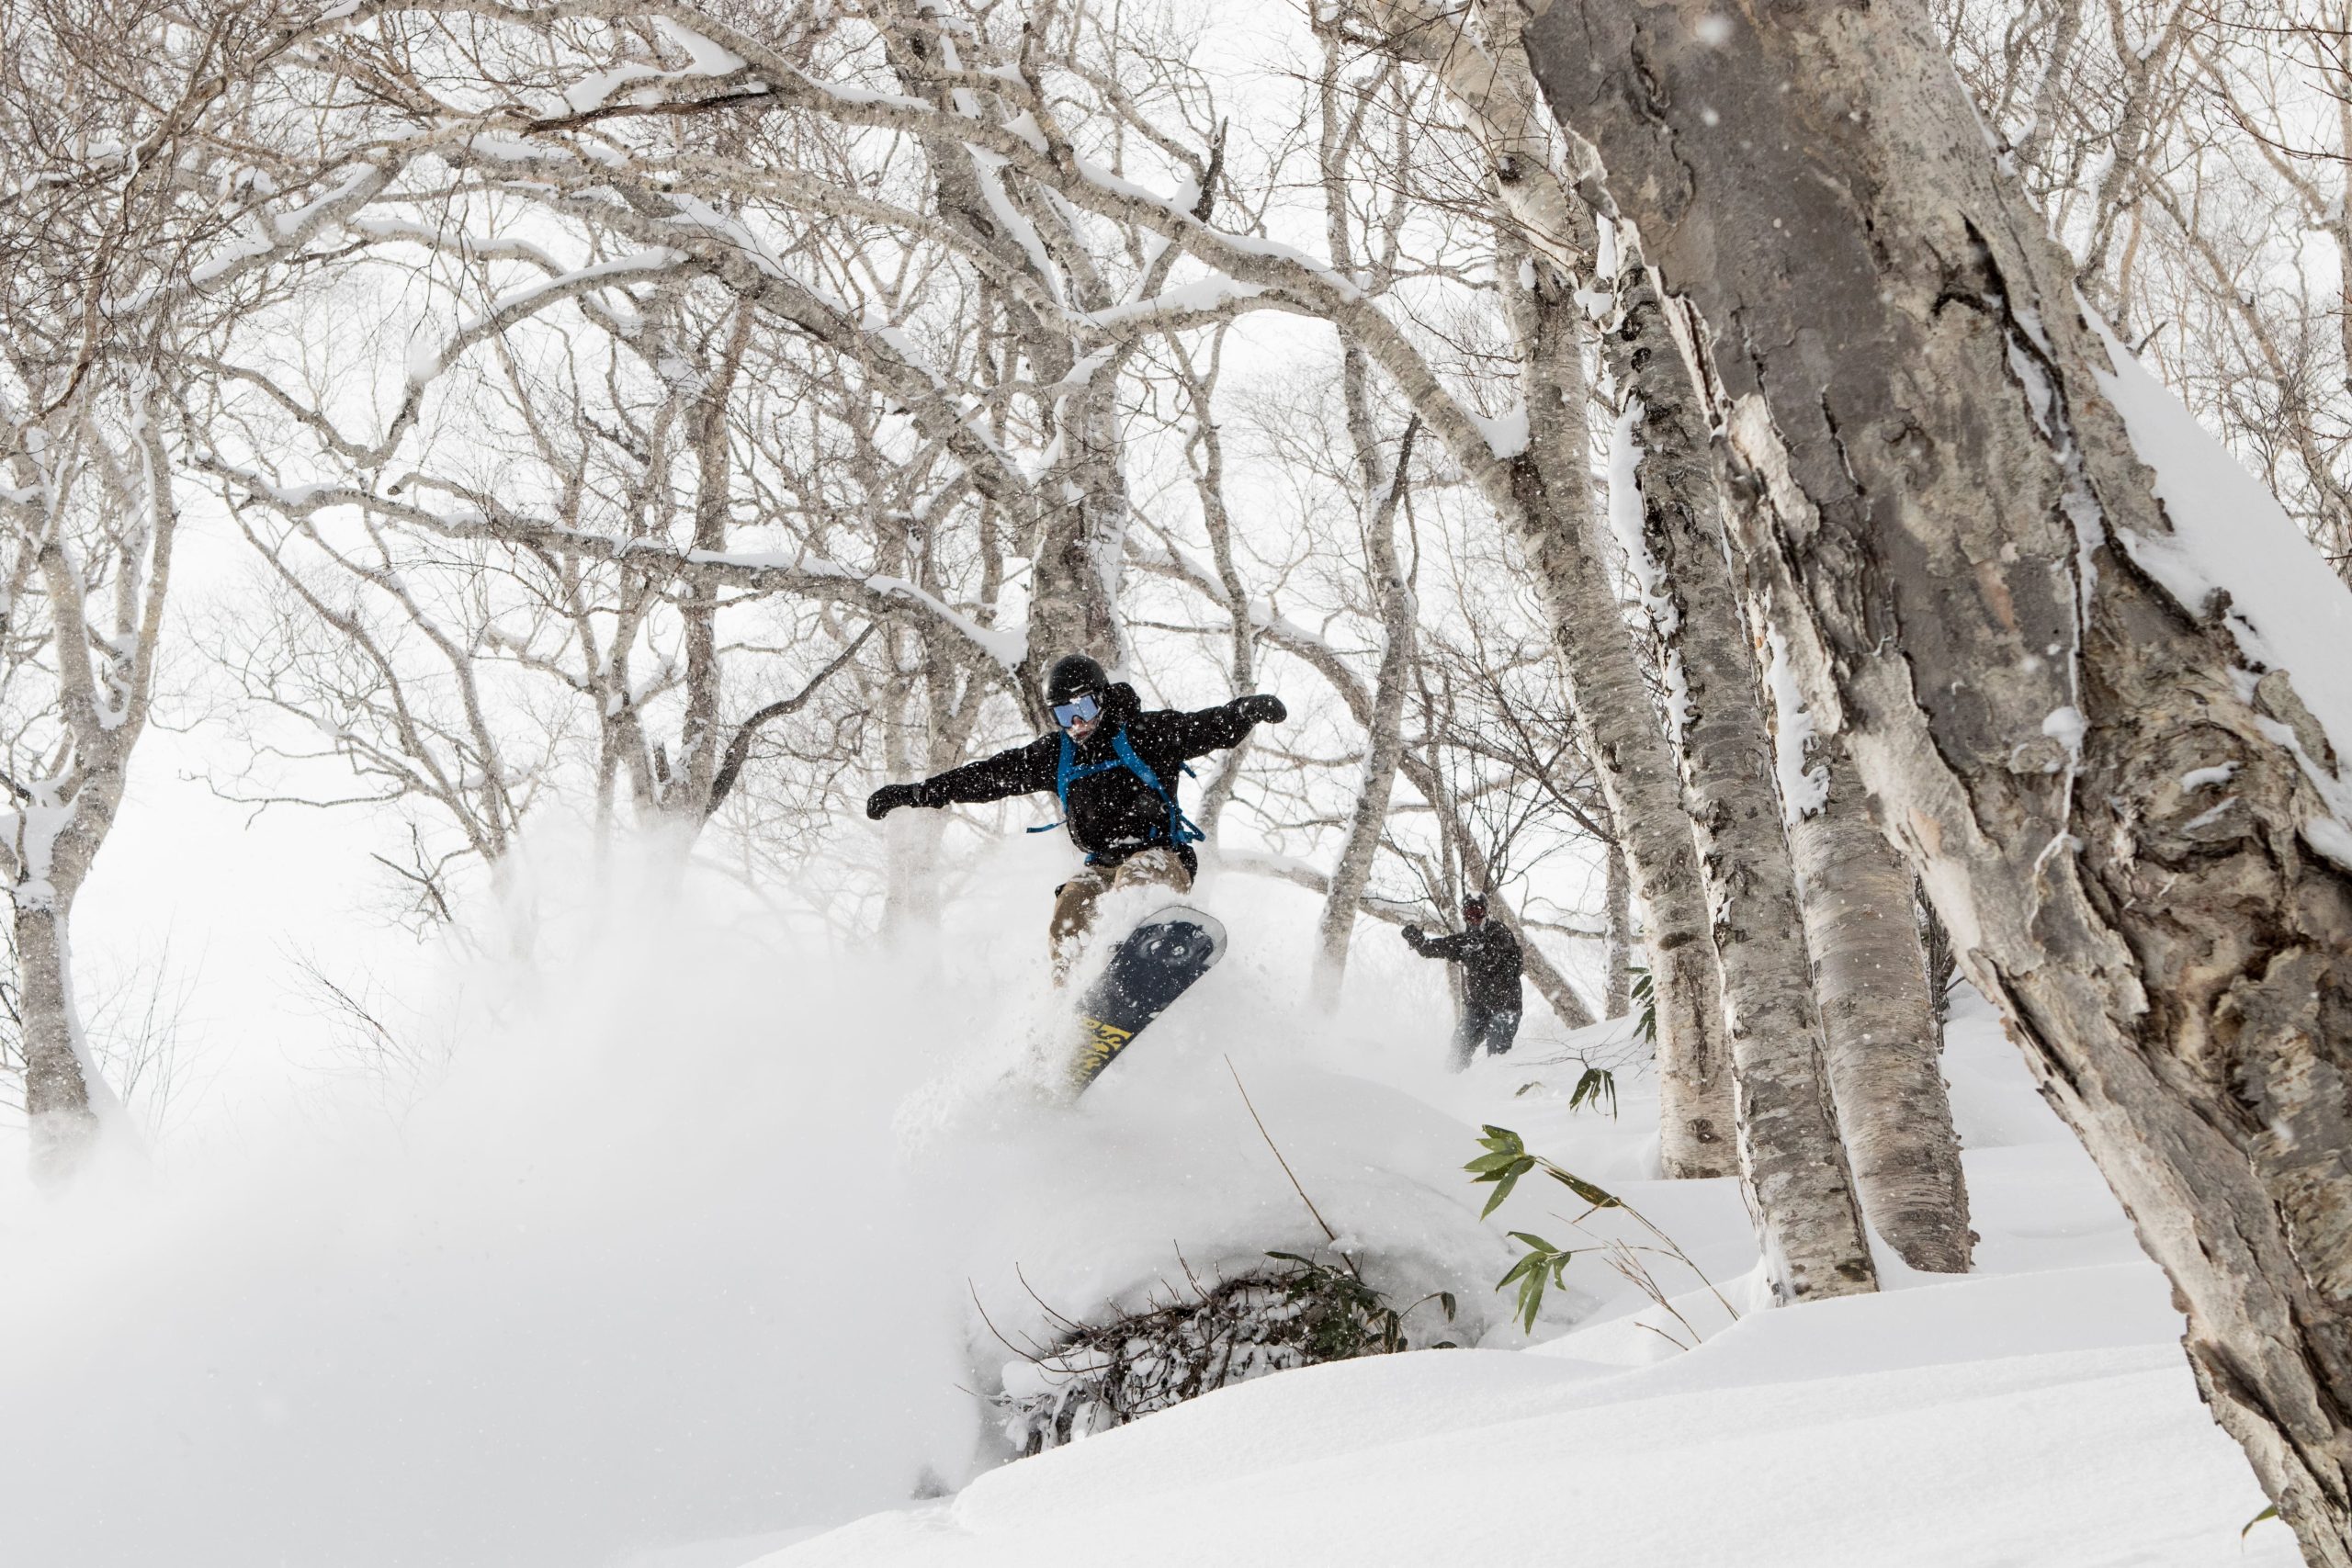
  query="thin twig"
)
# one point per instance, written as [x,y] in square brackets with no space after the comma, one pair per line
[1329,1233]
[1032,1355]
[1661,1333]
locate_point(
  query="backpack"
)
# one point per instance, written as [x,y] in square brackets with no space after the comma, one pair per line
[1068,770]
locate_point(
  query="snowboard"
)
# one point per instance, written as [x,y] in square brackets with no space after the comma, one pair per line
[1153,965]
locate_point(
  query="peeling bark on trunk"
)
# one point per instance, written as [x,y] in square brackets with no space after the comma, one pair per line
[1948,506]
[1619,732]
[1885,1050]
[1791,1152]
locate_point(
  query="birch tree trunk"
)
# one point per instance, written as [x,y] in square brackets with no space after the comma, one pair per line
[1630,754]
[1205,452]
[62,1088]
[1618,1000]
[1075,532]
[1496,97]
[700,742]
[1384,737]
[1885,1051]
[105,676]
[911,839]
[1791,1151]
[1961,544]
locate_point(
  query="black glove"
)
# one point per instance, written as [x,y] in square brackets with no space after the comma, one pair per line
[1261,707]
[1413,935]
[889,797]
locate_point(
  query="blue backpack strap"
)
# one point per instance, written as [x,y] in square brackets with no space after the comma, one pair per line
[1068,770]
[1181,830]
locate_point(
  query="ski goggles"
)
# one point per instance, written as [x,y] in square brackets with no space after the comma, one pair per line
[1087,708]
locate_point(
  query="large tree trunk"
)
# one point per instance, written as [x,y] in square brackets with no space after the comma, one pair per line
[1958,540]
[1885,1047]
[1673,524]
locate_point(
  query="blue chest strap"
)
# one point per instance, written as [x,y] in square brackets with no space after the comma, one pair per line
[1068,770]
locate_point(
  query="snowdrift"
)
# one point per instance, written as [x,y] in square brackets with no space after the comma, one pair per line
[691,1243]
[2037,1412]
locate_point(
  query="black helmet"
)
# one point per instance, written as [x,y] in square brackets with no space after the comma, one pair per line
[1074,675]
[1475,904]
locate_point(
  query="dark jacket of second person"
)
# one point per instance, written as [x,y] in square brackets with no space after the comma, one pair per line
[1114,814]
[1489,958]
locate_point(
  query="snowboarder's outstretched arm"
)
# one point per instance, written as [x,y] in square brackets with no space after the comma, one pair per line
[1204,731]
[1022,771]
[1445,947]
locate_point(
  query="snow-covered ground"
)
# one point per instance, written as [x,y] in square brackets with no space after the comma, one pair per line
[2036,1412]
[702,1247]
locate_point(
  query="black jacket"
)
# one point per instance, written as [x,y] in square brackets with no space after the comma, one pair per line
[1489,958]
[1114,814]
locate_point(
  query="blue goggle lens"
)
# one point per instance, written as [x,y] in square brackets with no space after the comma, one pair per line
[1077,708]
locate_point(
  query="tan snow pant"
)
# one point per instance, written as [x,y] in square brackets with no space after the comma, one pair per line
[1075,900]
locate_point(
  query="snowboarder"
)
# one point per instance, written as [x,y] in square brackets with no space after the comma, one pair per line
[1490,968]
[1114,768]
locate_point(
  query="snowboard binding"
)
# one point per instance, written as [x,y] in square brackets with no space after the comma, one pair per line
[1152,966]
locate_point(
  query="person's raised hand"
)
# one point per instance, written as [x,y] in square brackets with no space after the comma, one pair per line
[889,797]
[1261,707]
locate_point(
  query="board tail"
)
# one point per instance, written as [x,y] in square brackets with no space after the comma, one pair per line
[1152,966]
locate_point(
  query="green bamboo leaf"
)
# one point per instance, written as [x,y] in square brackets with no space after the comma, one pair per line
[1585,1189]
[1531,1299]
[1504,1182]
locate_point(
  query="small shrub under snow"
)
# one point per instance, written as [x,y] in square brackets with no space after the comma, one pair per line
[1294,1313]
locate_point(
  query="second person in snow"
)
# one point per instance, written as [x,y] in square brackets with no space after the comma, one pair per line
[1490,969]
[1115,769]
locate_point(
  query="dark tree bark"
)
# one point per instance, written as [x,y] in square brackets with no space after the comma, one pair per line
[1946,509]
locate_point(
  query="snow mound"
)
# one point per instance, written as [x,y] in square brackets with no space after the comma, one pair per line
[2038,1420]
[1160,1177]
[2039,1412]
